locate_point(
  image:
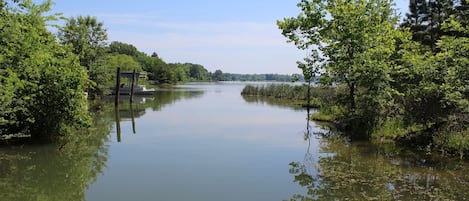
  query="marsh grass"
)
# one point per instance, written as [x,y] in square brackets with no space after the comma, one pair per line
[297,94]
[281,91]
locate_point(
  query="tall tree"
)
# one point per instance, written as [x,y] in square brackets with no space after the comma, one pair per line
[87,37]
[356,39]
[163,74]
[417,20]
[104,72]
[462,15]
[124,48]
[198,72]
[426,18]
[439,12]
[218,76]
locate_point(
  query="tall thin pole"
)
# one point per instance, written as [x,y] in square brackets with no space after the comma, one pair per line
[118,83]
[118,123]
[133,117]
[132,87]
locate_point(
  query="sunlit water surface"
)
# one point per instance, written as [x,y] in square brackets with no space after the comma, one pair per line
[210,144]
[204,141]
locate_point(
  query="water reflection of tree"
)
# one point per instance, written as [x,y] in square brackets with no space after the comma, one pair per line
[63,171]
[169,97]
[155,102]
[272,102]
[305,171]
[126,110]
[56,172]
[361,171]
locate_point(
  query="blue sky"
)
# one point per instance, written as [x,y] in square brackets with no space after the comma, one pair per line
[236,36]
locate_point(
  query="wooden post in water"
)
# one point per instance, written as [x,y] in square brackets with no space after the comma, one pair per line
[118,83]
[133,117]
[118,123]
[132,87]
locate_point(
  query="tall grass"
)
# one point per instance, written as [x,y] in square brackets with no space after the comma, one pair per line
[296,93]
[281,91]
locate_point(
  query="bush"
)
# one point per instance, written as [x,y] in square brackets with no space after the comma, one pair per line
[389,131]
[42,82]
[459,142]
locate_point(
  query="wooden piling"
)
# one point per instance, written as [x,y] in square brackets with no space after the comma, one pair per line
[132,87]
[118,123]
[118,83]
[133,118]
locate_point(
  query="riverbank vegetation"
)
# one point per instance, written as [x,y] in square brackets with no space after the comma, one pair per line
[261,77]
[296,94]
[47,77]
[42,82]
[403,82]
[356,172]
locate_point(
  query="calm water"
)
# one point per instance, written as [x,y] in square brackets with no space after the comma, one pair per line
[206,142]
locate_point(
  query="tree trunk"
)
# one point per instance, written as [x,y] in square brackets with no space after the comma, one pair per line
[352,96]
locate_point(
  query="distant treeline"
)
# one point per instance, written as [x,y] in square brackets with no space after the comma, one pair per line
[47,77]
[262,77]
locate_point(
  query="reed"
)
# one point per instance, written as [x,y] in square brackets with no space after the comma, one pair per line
[297,93]
[281,91]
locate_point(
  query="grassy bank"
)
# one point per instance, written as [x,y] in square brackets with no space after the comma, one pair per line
[297,94]
[444,138]
[369,121]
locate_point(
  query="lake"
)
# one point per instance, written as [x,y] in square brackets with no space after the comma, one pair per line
[204,141]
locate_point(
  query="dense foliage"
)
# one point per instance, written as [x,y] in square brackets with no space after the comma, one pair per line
[46,78]
[403,84]
[42,82]
[158,70]
[427,17]
[88,39]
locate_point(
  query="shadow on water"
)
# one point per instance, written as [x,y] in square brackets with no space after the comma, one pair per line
[155,102]
[272,102]
[127,110]
[56,172]
[363,171]
[118,123]
[130,113]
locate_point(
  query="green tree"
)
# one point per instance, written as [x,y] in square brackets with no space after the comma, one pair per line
[158,70]
[417,20]
[104,73]
[453,64]
[432,89]
[164,75]
[218,76]
[87,37]
[181,74]
[462,13]
[427,17]
[198,72]
[42,89]
[356,39]
[124,48]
